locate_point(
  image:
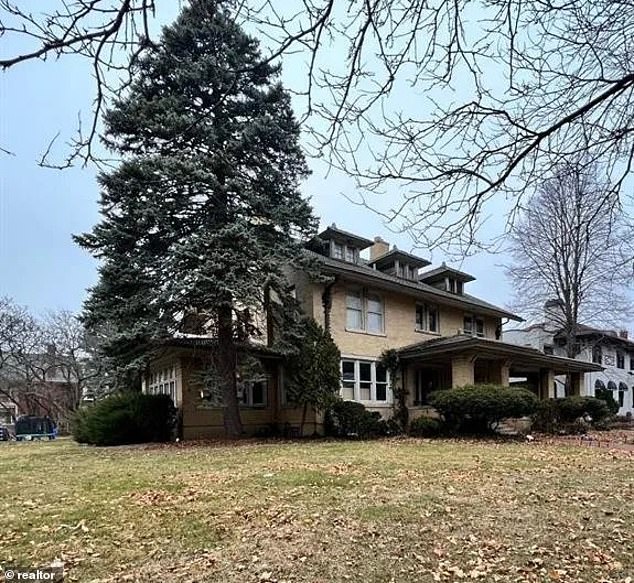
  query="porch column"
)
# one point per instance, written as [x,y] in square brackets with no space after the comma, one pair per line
[505,373]
[462,371]
[546,383]
[575,383]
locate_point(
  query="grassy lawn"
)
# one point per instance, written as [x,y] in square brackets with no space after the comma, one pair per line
[320,512]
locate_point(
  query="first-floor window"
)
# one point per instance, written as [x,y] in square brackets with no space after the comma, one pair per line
[363,380]
[253,393]
[163,382]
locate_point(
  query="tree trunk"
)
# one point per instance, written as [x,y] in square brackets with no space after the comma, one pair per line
[303,422]
[226,367]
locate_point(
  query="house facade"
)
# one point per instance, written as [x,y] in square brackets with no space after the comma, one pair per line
[612,350]
[371,297]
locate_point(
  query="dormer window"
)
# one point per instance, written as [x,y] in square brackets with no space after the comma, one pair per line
[344,252]
[455,286]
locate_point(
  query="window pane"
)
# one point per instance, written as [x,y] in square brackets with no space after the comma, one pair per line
[347,391]
[480,327]
[353,300]
[365,371]
[350,254]
[381,392]
[354,319]
[375,322]
[258,392]
[381,373]
[337,251]
[432,316]
[468,324]
[347,367]
[375,304]
[364,391]
[419,317]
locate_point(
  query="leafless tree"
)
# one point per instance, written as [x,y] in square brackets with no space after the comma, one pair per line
[45,365]
[450,104]
[571,244]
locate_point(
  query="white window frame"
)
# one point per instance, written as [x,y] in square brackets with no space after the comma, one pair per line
[163,381]
[356,388]
[363,294]
[424,326]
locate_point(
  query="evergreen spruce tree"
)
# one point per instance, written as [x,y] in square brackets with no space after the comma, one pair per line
[203,215]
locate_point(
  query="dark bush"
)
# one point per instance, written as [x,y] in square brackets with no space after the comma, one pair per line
[350,419]
[479,408]
[126,418]
[562,415]
[607,396]
[425,427]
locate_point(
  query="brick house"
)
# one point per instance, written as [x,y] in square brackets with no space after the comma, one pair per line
[371,298]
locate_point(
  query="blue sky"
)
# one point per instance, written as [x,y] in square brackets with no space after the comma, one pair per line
[40,209]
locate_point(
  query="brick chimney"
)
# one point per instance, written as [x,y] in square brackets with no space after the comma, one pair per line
[623,334]
[380,247]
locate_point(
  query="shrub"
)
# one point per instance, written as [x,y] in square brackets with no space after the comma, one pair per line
[425,427]
[350,419]
[126,418]
[478,408]
[562,415]
[607,396]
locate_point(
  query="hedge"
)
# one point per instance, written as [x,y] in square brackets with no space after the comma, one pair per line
[561,415]
[350,419]
[479,408]
[126,418]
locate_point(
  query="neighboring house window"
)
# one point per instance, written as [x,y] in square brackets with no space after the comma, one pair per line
[548,349]
[364,312]
[473,325]
[426,318]
[363,380]
[622,389]
[631,362]
[597,355]
[620,360]
[163,382]
[253,393]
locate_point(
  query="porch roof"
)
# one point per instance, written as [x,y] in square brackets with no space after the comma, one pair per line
[489,348]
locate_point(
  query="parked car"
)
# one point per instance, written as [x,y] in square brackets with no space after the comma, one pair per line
[30,427]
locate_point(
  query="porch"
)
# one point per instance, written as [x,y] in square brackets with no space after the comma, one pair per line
[465,360]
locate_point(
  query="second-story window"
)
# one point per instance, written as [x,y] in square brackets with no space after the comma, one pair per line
[620,360]
[426,318]
[365,311]
[597,355]
[473,325]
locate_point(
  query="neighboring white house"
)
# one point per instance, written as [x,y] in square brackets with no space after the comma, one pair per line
[614,351]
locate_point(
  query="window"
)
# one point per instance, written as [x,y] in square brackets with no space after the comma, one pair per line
[163,382]
[345,252]
[363,380]
[620,360]
[354,310]
[375,313]
[253,393]
[364,312]
[597,355]
[426,318]
[631,362]
[473,325]
[548,349]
